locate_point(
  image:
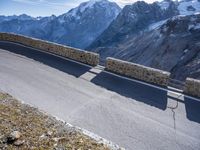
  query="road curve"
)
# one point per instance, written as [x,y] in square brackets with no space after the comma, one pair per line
[133,115]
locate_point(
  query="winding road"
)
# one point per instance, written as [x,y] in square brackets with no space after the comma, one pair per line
[128,112]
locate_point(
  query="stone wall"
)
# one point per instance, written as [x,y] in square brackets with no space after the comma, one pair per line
[65,51]
[192,87]
[140,72]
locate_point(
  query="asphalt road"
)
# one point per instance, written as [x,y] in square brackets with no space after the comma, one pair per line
[131,114]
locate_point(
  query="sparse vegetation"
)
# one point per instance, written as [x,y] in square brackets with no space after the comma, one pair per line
[24,127]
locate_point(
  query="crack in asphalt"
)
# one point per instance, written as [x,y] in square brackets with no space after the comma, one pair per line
[174,113]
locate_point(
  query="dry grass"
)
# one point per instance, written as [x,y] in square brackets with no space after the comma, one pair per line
[39,131]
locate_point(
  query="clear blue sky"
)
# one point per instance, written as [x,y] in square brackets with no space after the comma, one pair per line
[44,7]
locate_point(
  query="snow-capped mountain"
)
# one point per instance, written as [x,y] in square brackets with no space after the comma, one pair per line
[185,7]
[77,28]
[189,7]
[174,47]
[132,20]
[111,9]
[88,21]
[140,17]
[153,34]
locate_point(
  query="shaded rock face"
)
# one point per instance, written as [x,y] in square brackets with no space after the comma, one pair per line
[132,20]
[77,28]
[191,8]
[174,47]
[152,35]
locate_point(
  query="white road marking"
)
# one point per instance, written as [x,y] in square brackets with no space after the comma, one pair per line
[91,74]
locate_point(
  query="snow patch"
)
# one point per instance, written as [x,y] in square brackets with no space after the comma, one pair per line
[185,51]
[182,57]
[194,26]
[156,25]
[185,5]
[88,4]
[75,12]
[197,26]
[164,5]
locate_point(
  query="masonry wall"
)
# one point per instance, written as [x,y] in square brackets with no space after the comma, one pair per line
[192,87]
[65,51]
[118,66]
[140,72]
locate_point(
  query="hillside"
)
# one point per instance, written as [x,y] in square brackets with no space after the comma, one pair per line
[173,46]
[38,130]
[138,35]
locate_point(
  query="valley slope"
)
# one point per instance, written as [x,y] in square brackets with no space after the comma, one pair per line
[163,35]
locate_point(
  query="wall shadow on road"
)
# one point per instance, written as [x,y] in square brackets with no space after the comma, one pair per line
[61,64]
[192,109]
[131,89]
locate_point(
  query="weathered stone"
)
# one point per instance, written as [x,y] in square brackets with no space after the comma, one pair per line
[137,71]
[43,137]
[59,139]
[65,51]
[59,148]
[192,87]
[15,135]
[18,142]
[49,133]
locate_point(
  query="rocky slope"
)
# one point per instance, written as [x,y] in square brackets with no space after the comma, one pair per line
[135,35]
[174,46]
[132,20]
[136,18]
[23,127]
[77,28]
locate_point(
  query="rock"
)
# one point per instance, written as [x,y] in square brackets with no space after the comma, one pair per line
[15,135]
[49,133]
[19,142]
[45,135]
[42,137]
[59,148]
[59,139]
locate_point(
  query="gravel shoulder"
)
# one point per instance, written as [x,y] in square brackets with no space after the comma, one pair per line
[38,130]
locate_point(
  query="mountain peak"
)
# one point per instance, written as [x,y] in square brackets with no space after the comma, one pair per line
[90,4]
[77,12]
[94,1]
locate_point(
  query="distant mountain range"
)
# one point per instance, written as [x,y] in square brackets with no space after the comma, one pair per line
[78,28]
[163,35]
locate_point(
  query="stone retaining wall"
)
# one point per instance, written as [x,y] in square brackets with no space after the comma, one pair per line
[192,87]
[69,52]
[140,72]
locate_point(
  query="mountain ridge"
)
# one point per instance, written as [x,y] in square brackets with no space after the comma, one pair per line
[78,27]
[133,36]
